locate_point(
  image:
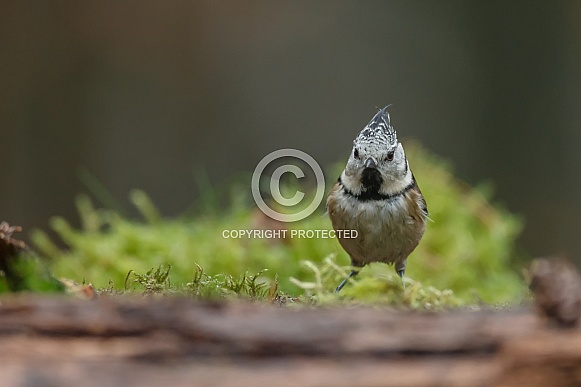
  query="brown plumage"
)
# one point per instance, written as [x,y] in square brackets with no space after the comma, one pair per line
[377,195]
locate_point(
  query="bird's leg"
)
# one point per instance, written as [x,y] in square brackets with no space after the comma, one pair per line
[401,273]
[351,275]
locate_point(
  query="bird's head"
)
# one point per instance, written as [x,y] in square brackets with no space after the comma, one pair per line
[377,164]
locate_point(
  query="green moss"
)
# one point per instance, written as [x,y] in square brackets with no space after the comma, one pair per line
[29,274]
[466,255]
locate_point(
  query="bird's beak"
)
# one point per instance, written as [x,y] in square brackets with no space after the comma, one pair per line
[370,163]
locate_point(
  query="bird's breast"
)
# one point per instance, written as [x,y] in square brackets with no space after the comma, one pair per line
[386,231]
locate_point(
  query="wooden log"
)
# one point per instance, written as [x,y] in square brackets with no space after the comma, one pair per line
[148,341]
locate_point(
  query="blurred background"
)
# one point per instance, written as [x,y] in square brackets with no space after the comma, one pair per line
[144,94]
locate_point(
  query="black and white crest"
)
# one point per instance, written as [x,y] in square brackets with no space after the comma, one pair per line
[378,131]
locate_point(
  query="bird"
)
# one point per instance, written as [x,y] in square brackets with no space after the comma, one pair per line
[378,199]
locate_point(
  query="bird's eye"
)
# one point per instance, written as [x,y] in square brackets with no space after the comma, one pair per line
[389,156]
[356,153]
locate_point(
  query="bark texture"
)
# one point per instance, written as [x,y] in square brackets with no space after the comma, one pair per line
[146,341]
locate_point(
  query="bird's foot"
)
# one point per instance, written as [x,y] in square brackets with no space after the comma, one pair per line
[351,275]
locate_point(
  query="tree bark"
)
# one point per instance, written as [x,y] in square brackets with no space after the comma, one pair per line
[119,341]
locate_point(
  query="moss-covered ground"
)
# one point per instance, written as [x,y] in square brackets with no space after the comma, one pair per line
[467,256]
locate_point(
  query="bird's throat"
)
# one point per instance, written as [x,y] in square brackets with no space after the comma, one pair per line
[371,181]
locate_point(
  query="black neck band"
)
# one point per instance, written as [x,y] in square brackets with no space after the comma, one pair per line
[374,195]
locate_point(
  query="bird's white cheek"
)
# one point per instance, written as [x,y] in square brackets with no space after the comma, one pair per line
[351,170]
